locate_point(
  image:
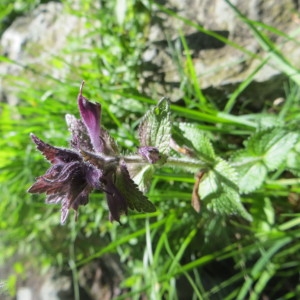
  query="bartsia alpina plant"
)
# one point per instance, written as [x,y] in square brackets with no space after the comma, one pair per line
[92,163]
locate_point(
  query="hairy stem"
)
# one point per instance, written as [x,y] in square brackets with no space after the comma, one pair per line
[178,162]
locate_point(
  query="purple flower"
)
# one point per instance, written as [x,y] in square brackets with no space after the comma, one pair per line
[93,163]
[69,180]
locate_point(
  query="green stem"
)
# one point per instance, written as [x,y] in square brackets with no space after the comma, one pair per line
[182,162]
[174,162]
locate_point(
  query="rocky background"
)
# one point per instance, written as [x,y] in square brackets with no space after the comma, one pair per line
[219,67]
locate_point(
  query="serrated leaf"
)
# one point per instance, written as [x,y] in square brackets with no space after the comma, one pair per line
[265,120]
[251,171]
[220,191]
[293,159]
[142,175]
[198,140]
[264,152]
[135,199]
[272,146]
[228,203]
[155,127]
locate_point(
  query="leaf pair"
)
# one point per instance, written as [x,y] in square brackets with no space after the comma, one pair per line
[154,133]
[264,152]
[217,184]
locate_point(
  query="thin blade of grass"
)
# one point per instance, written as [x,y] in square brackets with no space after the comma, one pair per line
[192,73]
[260,265]
[206,31]
[232,100]
[280,61]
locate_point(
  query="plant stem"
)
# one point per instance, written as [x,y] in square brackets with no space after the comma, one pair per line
[178,162]
[182,162]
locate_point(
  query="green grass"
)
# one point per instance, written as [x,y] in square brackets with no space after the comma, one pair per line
[217,257]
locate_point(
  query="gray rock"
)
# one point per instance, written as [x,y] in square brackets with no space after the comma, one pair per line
[217,65]
[32,41]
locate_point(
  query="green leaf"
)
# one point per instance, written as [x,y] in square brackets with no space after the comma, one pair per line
[251,171]
[293,159]
[129,190]
[155,127]
[220,191]
[264,152]
[272,146]
[198,140]
[142,175]
[265,121]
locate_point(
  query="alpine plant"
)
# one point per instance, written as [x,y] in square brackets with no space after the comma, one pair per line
[92,162]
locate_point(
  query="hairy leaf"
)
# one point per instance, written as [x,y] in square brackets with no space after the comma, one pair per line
[293,160]
[263,152]
[155,127]
[220,191]
[129,190]
[251,171]
[272,146]
[142,175]
[198,140]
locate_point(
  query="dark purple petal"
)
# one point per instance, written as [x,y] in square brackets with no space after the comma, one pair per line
[43,186]
[90,114]
[93,177]
[76,184]
[47,183]
[82,198]
[77,195]
[69,180]
[68,201]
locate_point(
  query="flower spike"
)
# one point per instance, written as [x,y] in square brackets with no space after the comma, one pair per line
[92,163]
